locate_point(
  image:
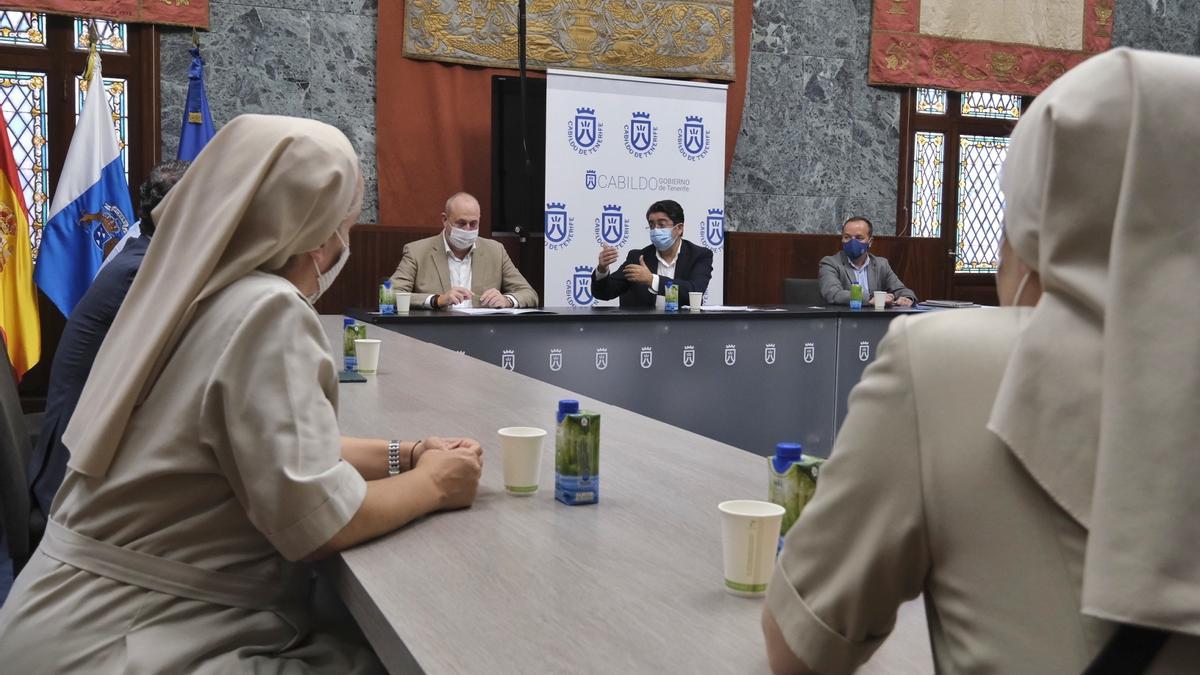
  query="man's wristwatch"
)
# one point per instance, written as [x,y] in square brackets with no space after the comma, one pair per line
[393,458]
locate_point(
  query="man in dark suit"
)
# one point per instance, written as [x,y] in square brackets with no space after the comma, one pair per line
[855,265]
[81,340]
[669,257]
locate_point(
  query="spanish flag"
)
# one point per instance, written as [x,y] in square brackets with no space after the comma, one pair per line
[18,301]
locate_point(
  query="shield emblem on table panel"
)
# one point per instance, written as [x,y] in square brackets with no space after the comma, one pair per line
[611,228]
[585,127]
[556,360]
[601,358]
[556,222]
[689,356]
[864,351]
[810,352]
[647,357]
[581,285]
[714,228]
[730,354]
[769,353]
[508,359]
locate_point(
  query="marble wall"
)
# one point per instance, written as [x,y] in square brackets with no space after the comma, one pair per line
[310,58]
[816,142]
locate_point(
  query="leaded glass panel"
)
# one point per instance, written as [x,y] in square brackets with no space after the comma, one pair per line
[931,101]
[118,103]
[23,28]
[980,202]
[995,106]
[23,101]
[929,150]
[111,35]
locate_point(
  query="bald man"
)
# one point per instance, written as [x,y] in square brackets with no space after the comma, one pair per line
[455,268]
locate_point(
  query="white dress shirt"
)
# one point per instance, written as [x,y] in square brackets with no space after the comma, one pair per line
[860,276]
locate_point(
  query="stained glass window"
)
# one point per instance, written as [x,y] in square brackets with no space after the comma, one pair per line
[929,151]
[931,101]
[980,202]
[996,106]
[110,33]
[23,28]
[118,103]
[23,100]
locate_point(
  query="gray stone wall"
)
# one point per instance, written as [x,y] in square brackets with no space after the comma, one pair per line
[816,143]
[309,58]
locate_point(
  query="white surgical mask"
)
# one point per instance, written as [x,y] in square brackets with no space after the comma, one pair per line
[325,279]
[462,239]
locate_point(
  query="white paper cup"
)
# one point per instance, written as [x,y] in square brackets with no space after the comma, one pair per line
[521,453]
[403,301]
[750,537]
[694,301]
[368,355]
[880,300]
[660,302]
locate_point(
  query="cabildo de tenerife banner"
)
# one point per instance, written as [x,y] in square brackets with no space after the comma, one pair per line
[614,146]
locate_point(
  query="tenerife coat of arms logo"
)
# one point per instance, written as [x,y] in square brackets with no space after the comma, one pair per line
[585,133]
[694,140]
[641,136]
[558,226]
[612,227]
[579,288]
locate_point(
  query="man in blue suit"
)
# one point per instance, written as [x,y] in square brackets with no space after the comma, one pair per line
[669,257]
[81,340]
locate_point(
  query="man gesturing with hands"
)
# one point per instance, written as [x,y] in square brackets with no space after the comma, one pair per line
[669,257]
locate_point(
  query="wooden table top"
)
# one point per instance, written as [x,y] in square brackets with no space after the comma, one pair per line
[632,584]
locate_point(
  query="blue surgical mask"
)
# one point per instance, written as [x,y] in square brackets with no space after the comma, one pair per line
[663,238]
[855,248]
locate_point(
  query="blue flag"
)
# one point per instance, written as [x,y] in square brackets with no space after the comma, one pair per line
[197,120]
[91,209]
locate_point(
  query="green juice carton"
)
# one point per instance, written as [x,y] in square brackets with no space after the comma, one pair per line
[351,331]
[576,455]
[792,480]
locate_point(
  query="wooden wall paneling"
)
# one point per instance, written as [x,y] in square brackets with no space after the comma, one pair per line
[375,250]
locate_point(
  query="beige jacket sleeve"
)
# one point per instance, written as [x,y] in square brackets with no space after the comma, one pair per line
[513,282]
[269,417]
[404,279]
[860,548]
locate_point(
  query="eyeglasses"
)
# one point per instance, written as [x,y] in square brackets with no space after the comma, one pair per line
[660,225]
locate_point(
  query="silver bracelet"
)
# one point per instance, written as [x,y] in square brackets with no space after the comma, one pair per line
[393,458]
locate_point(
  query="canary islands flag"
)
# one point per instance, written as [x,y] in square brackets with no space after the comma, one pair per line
[91,209]
[18,302]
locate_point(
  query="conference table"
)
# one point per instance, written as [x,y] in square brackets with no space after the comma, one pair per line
[747,378]
[526,584]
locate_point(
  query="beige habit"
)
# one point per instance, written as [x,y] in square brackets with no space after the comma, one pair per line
[205,448]
[1004,532]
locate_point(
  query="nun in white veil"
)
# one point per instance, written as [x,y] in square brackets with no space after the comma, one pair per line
[205,453]
[1033,470]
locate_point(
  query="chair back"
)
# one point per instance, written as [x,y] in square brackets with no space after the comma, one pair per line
[15,449]
[802,292]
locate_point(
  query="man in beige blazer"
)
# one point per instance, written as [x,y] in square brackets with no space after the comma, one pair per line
[455,268]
